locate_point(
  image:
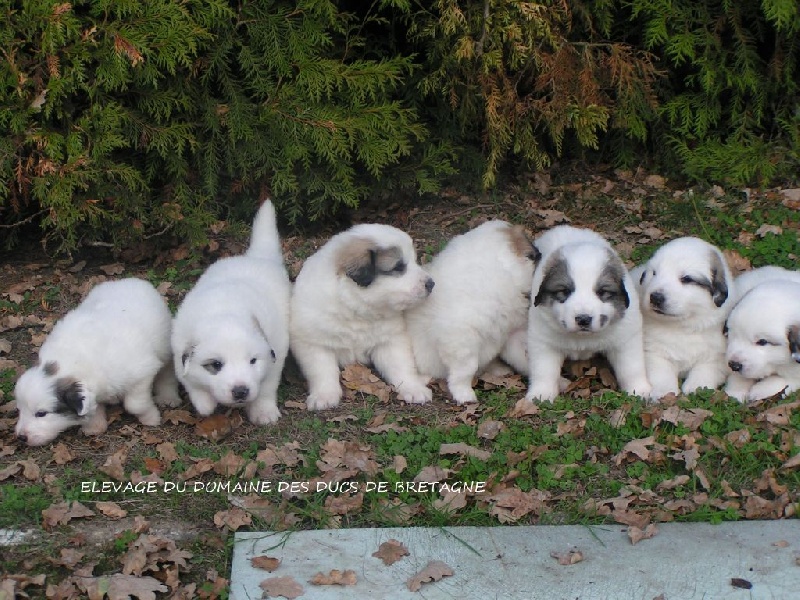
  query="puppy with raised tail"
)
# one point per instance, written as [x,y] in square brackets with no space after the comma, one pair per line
[347,307]
[478,307]
[764,341]
[231,333]
[111,348]
[685,293]
[584,303]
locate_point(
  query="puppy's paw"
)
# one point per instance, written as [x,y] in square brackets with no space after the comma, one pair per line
[415,394]
[541,393]
[766,388]
[151,418]
[463,395]
[203,403]
[169,399]
[643,389]
[97,425]
[263,414]
[323,400]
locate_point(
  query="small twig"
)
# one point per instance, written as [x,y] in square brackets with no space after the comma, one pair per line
[158,233]
[26,220]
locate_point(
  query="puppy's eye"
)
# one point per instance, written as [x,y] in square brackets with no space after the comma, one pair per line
[40,413]
[641,279]
[561,295]
[686,279]
[253,361]
[213,367]
[272,354]
[399,268]
[763,342]
[605,295]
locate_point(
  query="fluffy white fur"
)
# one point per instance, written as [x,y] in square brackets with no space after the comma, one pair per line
[685,293]
[347,307]
[764,341]
[231,333]
[110,348]
[483,281]
[750,279]
[583,303]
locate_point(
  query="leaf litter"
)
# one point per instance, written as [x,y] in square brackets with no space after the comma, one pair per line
[667,460]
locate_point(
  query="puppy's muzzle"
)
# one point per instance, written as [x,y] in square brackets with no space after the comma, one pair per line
[735,366]
[22,438]
[584,322]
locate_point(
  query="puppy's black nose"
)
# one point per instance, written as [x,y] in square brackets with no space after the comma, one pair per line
[240,392]
[657,299]
[429,285]
[735,366]
[22,438]
[584,321]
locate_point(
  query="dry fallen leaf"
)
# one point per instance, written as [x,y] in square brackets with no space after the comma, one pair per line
[464,450]
[61,513]
[335,577]
[217,427]
[112,510]
[267,563]
[61,454]
[391,551]
[281,586]
[570,557]
[114,466]
[636,534]
[233,519]
[433,571]
[489,430]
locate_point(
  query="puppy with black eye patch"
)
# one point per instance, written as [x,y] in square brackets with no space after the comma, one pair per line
[685,293]
[584,303]
[231,333]
[478,310]
[347,307]
[112,348]
[764,342]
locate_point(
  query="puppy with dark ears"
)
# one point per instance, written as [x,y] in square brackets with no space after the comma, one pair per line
[348,306]
[231,332]
[114,347]
[584,303]
[478,310]
[686,294]
[764,342]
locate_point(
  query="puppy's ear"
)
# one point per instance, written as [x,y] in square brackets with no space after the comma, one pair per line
[186,356]
[522,244]
[557,283]
[719,287]
[263,334]
[794,342]
[356,260]
[70,394]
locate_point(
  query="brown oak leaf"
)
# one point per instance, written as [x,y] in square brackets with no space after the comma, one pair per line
[233,519]
[570,557]
[281,586]
[112,510]
[391,551]
[61,513]
[637,534]
[267,563]
[335,577]
[433,571]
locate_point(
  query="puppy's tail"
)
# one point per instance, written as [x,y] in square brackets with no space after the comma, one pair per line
[265,242]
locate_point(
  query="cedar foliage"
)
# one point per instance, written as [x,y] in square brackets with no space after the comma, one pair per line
[124,119]
[730,106]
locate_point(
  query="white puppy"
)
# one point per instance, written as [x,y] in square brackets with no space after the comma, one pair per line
[231,333]
[483,283]
[110,348]
[764,342]
[685,295]
[347,307]
[750,279]
[584,303]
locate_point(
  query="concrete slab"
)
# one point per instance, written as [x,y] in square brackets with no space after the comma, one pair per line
[682,562]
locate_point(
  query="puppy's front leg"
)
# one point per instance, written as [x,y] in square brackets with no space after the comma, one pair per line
[459,379]
[663,376]
[202,400]
[97,423]
[545,374]
[263,410]
[139,402]
[709,375]
[629,368]
[395,362]
[166,387]
[321,370]
[766,388]
[738,387]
